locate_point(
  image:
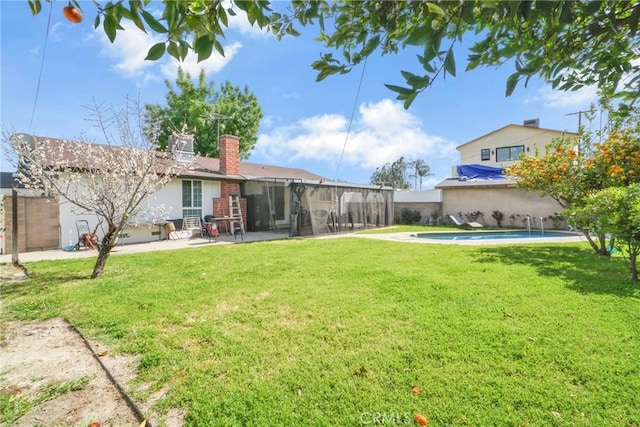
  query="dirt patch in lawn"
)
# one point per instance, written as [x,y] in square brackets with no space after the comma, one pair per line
[50,377]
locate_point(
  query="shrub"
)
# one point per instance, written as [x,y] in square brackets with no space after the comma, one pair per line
[475,216]
[408,216]
[557,219]
[498,216]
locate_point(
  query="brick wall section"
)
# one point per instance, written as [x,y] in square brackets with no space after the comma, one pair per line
[229,165]
[221,209]
[229,155]
[38,224]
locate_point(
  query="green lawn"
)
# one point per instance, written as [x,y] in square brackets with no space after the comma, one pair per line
[337,331]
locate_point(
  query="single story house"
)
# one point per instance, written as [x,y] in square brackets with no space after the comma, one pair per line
[270,197]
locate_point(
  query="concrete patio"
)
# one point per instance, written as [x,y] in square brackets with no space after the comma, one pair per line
[161,245]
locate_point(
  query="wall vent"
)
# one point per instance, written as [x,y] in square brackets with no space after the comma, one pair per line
[532,123]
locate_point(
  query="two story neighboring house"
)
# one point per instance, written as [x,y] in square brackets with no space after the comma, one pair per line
[477,184]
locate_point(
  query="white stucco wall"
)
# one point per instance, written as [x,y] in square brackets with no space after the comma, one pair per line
[169,198]
[417,196]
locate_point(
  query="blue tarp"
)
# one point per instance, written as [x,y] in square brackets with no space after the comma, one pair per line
[479,172]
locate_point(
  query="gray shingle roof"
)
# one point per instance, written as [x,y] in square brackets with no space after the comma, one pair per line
[203,167]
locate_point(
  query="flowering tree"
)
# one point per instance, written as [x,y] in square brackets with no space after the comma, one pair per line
[561,175]
[573,169]
[615,210]
[113,181]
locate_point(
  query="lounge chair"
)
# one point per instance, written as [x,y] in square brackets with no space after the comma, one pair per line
[457,220]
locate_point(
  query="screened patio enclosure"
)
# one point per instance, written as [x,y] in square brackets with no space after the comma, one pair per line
[316,208]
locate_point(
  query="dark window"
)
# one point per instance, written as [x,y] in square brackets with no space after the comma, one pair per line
[485,154]
[505,154]
[191,198]
[277,202]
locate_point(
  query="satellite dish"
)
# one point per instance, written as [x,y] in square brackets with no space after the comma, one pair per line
[24,138]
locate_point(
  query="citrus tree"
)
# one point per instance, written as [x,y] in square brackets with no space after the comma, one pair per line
[572,169]
[616,211]
[568,43]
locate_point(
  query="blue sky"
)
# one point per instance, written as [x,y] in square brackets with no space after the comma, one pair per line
[305,123]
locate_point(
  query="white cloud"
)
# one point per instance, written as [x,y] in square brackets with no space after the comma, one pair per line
[382,133]
[56,31]
[129,50]
[240,23]
[131,46]
[191,65]
[564,99]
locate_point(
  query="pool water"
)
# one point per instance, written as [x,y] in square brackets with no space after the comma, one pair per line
[493,235]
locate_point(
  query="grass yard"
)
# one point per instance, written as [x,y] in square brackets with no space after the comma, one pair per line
[336,332]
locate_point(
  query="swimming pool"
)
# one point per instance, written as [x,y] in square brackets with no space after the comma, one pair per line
[493,235]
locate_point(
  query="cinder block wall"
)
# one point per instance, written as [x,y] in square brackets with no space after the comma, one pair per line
[38,225]
[426,209]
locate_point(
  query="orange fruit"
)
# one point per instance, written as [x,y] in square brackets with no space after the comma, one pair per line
[72,14]
[421,419]
[415,390]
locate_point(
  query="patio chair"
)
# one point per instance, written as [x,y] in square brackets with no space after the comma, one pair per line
[193,225]
[457,220]
[211,228]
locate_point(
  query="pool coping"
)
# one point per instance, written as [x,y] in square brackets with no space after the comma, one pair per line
[410,237]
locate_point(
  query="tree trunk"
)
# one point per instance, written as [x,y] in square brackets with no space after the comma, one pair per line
[603,246]
[633,258]
[599,246]
[108,242]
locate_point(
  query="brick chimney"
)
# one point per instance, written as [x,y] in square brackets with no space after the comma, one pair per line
[229,155]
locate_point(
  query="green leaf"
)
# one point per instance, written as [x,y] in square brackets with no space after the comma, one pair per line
[426,64]
[203,46]
[512,81]
[152,22]
[371,45]
[633,21]
[135,15]
[110,25]
[35,6]
[184,49]
[474,61]
[218,47]
[450,63]
[409,100]
[467,12]
[418,37]
[96,22]
[174,50]
[434,8]
[400,89]
[222,16]
[156,52]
